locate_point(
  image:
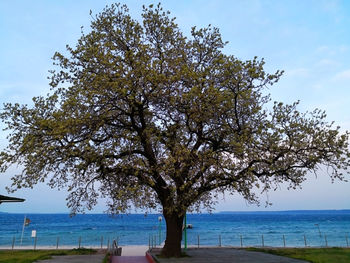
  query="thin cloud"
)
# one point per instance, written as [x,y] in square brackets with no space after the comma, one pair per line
[343,75]
[332,50]
[298,72]
[328,63]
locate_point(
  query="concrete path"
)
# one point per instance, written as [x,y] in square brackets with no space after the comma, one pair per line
[129,259]
[96,258]
[226,255]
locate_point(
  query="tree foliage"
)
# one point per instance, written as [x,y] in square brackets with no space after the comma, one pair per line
[148,117]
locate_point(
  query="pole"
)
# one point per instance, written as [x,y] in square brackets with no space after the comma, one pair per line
[24,222]
[319,231]
[13,242]
[325,239]
[160,229]
[219,240]
[284,241]
[262,240]
[35,242]
[160,232]
[58,240]
[305,241]
[185,231]
[198,240]
[241,241]
[347,241]
[101,242]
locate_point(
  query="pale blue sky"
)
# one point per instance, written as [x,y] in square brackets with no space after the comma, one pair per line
[310,40]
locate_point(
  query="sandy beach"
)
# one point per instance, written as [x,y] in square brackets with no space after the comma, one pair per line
[126,250]
[134,250]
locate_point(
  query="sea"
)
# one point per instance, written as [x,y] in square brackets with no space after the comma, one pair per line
[322,228]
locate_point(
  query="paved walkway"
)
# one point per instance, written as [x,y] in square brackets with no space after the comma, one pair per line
[226,255]
[129,259]
[202,255]
[96,258]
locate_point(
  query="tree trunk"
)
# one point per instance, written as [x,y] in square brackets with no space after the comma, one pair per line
[172,246]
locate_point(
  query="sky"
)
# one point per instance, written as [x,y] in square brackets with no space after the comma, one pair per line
[309,40]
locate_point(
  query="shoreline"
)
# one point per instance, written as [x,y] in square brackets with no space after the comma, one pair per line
[128,250]
[274,230]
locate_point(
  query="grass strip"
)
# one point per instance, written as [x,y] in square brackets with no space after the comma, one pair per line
[29,256]
[106,258]
[314,255]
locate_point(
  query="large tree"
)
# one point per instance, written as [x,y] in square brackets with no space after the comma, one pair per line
[148,117]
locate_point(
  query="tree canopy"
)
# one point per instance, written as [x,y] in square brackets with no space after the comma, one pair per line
[148,117]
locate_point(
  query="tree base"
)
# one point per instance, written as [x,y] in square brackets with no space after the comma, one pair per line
[172,254]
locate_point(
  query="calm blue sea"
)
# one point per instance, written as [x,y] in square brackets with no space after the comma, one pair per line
[290,228]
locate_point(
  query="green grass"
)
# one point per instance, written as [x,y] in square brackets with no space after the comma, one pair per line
[29,256]
[106,258]
[314,255]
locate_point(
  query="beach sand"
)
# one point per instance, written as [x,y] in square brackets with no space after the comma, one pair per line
[126,250]
[134,250]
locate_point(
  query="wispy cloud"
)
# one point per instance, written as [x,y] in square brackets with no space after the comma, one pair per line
[332,50]
[327,63]
[298,72]
[342,75]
